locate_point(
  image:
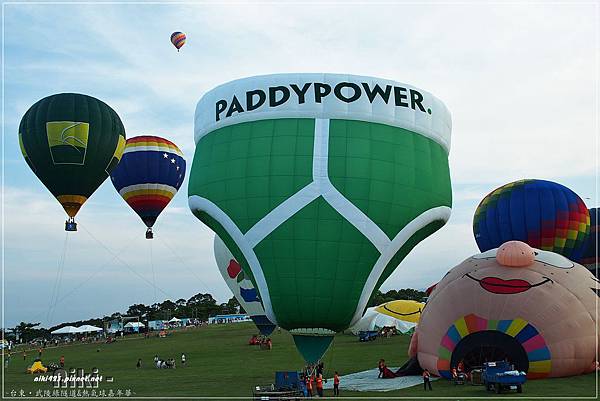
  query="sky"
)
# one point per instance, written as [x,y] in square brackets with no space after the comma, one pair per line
[520,81]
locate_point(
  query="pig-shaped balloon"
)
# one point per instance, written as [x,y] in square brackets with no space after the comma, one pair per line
[533,308]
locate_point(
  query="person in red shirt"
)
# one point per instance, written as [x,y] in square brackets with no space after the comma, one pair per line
[309,381]
[336,384]
[320,385]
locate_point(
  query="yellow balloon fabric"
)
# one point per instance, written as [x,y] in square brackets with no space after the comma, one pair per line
[405,310]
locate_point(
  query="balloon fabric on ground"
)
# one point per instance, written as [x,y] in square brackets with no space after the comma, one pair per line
[543,214]
[149,175]
[401,314]
[71,142]
[321,191]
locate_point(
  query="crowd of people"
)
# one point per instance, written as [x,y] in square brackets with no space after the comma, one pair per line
[164,363]
[313,379]
[263,341]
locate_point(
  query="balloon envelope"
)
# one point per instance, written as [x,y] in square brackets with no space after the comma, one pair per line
[541,317]
[543,214]
[178,39]
[403,309]
[589,257]
[320,184]
[149,175]
[401,314]
[242,288]
[71,142]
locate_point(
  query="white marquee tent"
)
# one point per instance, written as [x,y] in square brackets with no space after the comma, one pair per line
[66,330]
[135,324]
[86,328]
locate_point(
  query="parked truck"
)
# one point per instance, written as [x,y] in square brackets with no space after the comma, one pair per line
[500,376]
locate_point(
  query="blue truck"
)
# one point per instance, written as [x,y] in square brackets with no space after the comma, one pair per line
[500,376]
[367,335]
[288,386]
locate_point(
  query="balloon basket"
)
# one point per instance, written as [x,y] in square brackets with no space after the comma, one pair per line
[70,225]
[149,234]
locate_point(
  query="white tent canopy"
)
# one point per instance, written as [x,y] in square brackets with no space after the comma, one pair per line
[86,328]
[174,320]
[135,324]
[66,330]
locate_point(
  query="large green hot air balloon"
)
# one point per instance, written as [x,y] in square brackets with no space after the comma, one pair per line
[71,142]
[320,185]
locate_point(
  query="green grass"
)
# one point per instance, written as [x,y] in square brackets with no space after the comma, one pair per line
[221,364]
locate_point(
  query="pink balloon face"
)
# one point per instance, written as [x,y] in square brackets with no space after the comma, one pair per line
[538,313]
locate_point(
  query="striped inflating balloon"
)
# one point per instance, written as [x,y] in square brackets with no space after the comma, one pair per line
[178,39]
[151,171]
[543,214]
[589,257]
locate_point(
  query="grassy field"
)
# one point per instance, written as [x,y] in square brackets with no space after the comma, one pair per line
[221,364]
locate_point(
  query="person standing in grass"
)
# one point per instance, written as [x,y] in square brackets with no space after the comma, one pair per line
[336,384]
[182,360]
[40,353]
[320,385]
[426,381]
[319,380]
[24,355]
[62,361]
[139,363]
[6,359]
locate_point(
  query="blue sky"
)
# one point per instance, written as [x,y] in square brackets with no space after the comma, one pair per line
[519,80]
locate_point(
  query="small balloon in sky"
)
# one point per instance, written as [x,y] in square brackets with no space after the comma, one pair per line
[178,39]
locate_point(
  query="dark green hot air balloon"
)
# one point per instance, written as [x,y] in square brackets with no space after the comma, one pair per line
[71,142]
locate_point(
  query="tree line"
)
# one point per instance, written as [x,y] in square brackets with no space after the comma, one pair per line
[201,306]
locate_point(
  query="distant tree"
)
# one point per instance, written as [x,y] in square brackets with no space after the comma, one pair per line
[204,305]
[29,331]
[200,306]
[138,310]
[379,298]
[232,306]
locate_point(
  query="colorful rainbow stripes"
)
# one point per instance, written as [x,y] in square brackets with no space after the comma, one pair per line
[530,339]
[153,143]
[589,258]
[544,214]
[150,172]
[178,39]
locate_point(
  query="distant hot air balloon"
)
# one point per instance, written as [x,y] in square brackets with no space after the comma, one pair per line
[149,175]
[241,287]
[71,142]
[589,258]
[178,39]
[320,185]
[543,214]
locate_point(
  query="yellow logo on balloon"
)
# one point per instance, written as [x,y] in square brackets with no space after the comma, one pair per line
[68,141]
